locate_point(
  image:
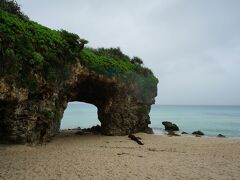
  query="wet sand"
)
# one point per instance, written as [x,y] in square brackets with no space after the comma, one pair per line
[71,156]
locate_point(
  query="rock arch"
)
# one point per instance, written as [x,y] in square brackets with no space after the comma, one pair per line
[35,117]
[41,70]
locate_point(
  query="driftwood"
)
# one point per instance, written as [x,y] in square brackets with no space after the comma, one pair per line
[172,133]
[136,139]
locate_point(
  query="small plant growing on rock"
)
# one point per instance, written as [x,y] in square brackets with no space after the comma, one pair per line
[82,42]
[136,60]
[12,7]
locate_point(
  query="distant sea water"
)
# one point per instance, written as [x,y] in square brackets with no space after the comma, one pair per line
[212,120]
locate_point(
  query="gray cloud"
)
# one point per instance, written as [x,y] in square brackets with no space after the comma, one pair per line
[193,47]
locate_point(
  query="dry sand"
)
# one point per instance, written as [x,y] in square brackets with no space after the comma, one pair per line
[103,157]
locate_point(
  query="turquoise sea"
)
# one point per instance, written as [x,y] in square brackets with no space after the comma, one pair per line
[212,120]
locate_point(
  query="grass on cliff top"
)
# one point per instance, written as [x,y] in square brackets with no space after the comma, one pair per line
[106,63]
[26,46]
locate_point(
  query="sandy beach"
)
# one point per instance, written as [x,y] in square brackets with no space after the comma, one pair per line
[71,156]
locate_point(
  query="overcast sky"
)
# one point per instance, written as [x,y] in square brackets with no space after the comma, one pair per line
[192,46]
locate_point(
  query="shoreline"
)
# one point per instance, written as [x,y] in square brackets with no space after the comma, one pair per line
[164,133]
[160,132]
[71,156]
[205,136]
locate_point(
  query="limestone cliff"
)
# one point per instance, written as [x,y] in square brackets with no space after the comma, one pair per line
[41,70]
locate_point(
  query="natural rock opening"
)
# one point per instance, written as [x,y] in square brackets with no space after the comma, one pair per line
[119,111]
[36,117]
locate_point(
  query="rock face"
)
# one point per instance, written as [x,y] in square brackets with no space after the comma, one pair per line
[36,117]
[170,126]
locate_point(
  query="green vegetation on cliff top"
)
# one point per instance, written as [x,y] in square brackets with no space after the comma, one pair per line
[26,47]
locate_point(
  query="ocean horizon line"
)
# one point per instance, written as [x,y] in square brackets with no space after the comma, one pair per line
[197,104]
[79,102]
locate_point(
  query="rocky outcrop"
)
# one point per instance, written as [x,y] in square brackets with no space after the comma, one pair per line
[41,70]
[221,136]
[199,133]
[35,117]
[170,126]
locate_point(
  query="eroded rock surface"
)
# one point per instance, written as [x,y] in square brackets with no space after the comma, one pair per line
[35,117]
